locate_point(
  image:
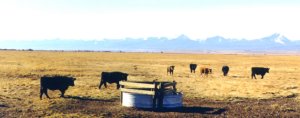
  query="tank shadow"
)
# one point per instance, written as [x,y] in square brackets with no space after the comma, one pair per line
[201,110]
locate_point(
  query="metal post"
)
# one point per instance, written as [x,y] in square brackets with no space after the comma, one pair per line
[161,95]
[155,95]
[174,86]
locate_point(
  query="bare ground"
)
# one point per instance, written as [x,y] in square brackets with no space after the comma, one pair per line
[88,107]
[214,96]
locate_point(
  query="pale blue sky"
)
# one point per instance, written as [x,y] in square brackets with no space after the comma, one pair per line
[99,19]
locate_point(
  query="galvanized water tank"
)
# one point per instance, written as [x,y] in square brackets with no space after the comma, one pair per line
[146,101]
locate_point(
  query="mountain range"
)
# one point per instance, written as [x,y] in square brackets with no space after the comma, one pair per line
[274,42]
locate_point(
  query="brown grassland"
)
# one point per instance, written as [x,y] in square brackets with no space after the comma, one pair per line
[236,95]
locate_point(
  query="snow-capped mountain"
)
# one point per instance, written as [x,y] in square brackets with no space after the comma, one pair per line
[276,38]
[274,42]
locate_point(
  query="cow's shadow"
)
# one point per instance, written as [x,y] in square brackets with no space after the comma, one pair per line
[3,105]
[200,110]
[86,98]
[237,77]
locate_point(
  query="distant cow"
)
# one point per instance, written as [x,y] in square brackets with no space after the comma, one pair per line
[135,67]
[259,71]
[205,71]
[225,70]
[170,70]
[56,82]
[112,77]
[193,67]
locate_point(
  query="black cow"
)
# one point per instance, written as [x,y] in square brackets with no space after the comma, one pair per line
[170,70]
[225,70]
[259,71]
[193,67]
[112,77]
[56,82]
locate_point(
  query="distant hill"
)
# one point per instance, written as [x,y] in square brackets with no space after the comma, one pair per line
[275,42]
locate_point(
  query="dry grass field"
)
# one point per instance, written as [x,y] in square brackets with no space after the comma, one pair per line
[236,95]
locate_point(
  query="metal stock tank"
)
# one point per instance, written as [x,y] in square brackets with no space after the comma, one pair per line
[173,100]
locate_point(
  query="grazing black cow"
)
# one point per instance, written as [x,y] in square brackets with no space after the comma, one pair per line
[225,70]
[112,77]
[170,70]
[193,67]
[56,82]
[259,71]
[205,71]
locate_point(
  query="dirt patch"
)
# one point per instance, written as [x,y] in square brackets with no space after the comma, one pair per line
[84,106]
[283,107]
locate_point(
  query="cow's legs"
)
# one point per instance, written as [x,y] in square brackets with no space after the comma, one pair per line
[41,93]
[46,92]
[62,93]
[253,75]
[101,83]
[105,85]
[262,76]
[118,85]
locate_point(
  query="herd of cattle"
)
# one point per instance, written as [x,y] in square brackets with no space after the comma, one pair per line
[225,69]
[62,83]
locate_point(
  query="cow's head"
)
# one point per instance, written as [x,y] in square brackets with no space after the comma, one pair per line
[267,70]
[125,76]
[71,81]
[210,70]
[172,67]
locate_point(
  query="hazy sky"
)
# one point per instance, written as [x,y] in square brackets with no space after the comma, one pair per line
[116,19]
